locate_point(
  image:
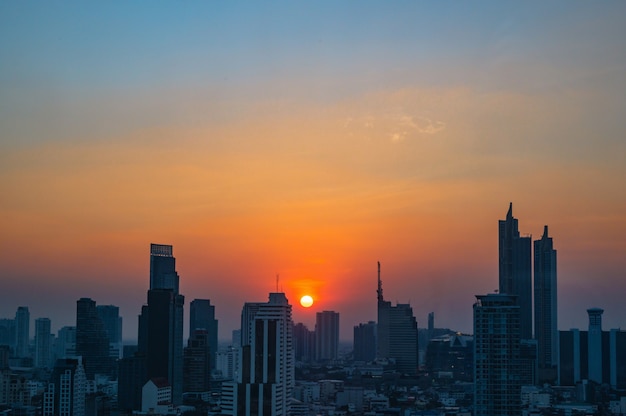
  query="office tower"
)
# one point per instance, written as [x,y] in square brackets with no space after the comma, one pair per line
[65,346]
[451,356]
[132,375]
[22,332]
[196,363]
[161,322]
[265,383]
[397,333]
[326,336]
[92,341]
[617,358]
[112,321]
[7,332]
[303,343]
[515,268]
[497,365]
[43,347]
[202,316]
[546,332]
[364,342]
[227,362]
[65,394]
[595,344]
[431,325]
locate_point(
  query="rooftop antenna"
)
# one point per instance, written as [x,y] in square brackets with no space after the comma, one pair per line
[277,279]
[380,286]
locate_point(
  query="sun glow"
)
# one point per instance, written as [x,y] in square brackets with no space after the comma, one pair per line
[306,301]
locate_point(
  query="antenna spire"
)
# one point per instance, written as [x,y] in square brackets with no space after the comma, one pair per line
[380,286]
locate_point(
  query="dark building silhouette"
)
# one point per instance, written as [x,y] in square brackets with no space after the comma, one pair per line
[326,335]
[22,332]
[397,334]
[595,355]
[7,332]
[131,378]
[92,341]
[546,331]
[303,343]
[515,269]
[161,322]
[196,363]
[202,316]
[451,356]
[112,321]
[364,342]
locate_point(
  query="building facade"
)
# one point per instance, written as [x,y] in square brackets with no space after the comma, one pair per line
[92,340]
[546,331]
[202,316]
[364,341]
[43,346]
[22,332]
[326,336]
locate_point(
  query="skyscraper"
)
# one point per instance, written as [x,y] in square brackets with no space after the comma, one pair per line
[365,341]
[595,345]
[43,347]
[265,381]
[112,321]
[397,333]
[303,343]
[202,316]
[515,269]
[92,340]
[196,363]
[22,332]
[497,364]
[161,322]
[326,336]
[546,331]
[65,394]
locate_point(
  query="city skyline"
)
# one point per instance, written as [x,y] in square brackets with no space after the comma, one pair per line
[309,142]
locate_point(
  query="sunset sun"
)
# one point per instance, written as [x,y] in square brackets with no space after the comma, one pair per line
[306,301]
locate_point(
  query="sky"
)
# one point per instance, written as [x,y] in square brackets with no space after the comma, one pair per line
[309,140]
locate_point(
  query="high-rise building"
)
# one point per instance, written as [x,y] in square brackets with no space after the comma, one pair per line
[515,269]
[196,363]
[65,394]
[303,343]
[397,335]
[364,342]
[497,364]
[326,335]
[202,316]
[595,344]
[43,347]
[22,332]
[65,345]
[7,332]
[161,322]
[546,331]
[265,381]
[92,341]
[132,375]
[112,321]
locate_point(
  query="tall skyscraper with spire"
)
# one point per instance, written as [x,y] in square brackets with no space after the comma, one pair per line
[515,269]
[546,332]
[161,321]
[397,333]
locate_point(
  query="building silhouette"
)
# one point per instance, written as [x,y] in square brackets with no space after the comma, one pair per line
[303,343]
[161,322]
[202,316]
[92,340]
[497,364]
[196,363]
[132,375]
[265,379]
[364,341]
[22,332]
[546,331]
[43,347]
[397,334]
[326,335]
[515,268]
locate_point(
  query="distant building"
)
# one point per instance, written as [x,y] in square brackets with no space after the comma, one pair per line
[132,375]
[303,343]
[92,340]
[7,332]
[265,382]
[594,355]
[22,332]
[397,335]
[43,347]
[161,322]
[65,343]
[196,363]
[326,336]
[497,364]
[451,356]
[202,316]
[546,332]
[364,342]
[112,321]
[515,269]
